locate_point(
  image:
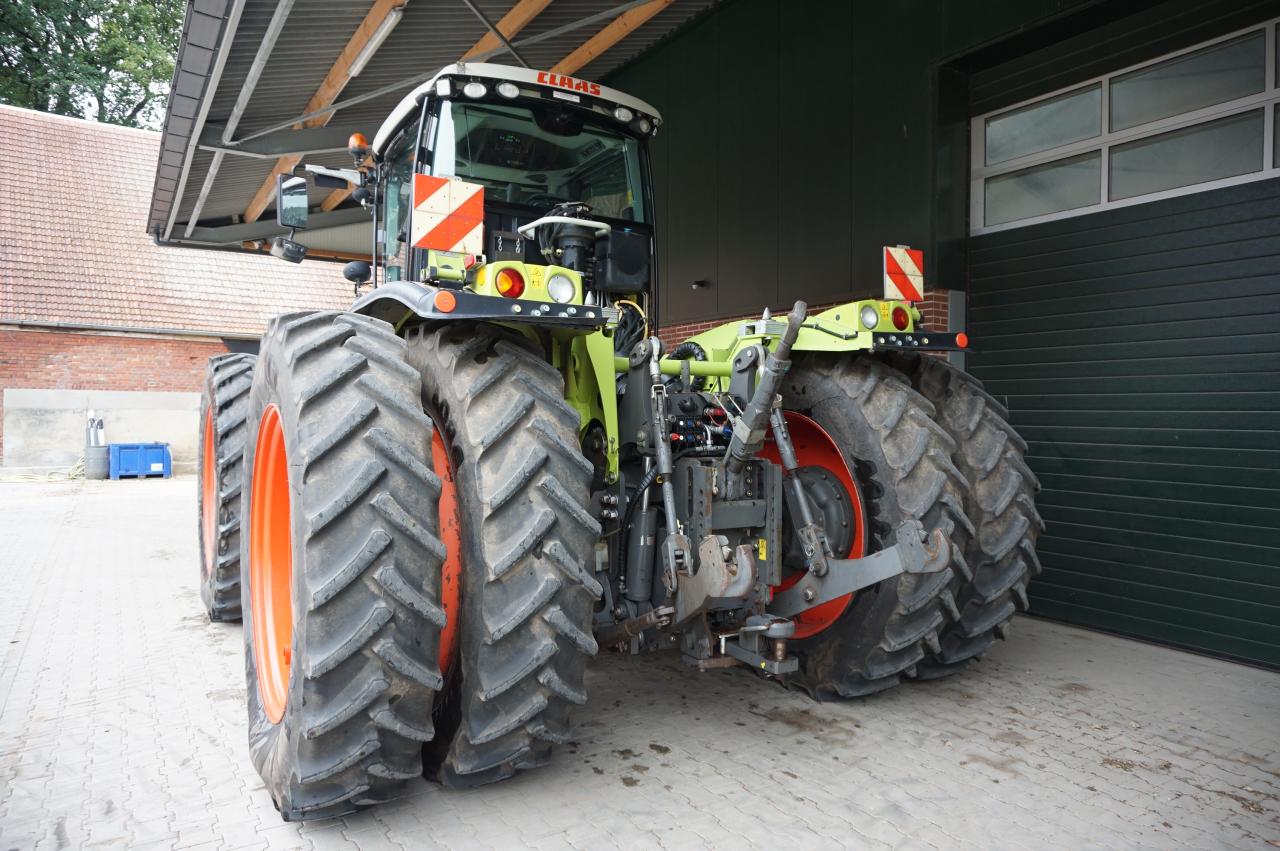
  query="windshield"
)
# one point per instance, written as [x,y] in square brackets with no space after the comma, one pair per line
[539,155]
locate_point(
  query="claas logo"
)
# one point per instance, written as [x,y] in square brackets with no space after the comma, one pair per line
[562,82]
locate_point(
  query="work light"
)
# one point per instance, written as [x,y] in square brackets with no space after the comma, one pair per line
[870,318]
[474,90]
[508,90]
[623,114]
[560,288]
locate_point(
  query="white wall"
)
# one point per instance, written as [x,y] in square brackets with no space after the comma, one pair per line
[44,429]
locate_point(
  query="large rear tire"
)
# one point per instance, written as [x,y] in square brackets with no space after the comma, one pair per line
[522,490]
[224,404]
[342,558]
[1000,503]
[901,460]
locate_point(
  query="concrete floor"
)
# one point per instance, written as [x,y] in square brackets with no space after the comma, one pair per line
[122,724]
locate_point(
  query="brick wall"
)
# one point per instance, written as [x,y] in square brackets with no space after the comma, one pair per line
[42,360]
[933,314]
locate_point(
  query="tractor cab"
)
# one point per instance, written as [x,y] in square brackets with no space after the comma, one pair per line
[507,193]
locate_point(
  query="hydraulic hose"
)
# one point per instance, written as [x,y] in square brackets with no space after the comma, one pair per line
[691,350]
[749,428]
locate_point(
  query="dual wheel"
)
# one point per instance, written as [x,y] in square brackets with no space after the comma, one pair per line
[882,440]
[372,657]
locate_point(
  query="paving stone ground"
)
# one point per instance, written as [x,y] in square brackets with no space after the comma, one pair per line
[122,724]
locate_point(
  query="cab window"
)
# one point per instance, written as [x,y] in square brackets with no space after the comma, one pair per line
[397,203]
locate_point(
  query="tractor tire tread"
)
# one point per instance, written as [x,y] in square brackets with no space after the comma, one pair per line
[907,473]
[999,502]
[228,379]
[527,594]
[366,673]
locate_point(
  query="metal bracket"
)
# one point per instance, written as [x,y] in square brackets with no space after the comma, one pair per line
[914,552]
[725,575]
[761,644]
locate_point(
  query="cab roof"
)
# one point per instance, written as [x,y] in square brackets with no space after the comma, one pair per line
[411,102]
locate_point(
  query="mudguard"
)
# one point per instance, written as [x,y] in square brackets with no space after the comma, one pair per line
[396,301]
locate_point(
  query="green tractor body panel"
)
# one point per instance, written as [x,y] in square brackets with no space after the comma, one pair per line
[593,366]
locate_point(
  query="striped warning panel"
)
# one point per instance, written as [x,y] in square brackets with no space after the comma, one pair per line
[903,274]
[448,215]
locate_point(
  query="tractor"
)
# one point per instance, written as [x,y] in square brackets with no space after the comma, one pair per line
[430,510]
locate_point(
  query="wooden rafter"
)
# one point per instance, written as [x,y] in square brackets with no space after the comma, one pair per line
[328,92]
[512,23]
[616,30]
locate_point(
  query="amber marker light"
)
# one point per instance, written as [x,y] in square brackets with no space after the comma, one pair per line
[445,301]
[358,146]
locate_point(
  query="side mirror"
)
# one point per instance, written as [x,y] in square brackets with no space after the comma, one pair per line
[287,249]
[291,201]
[357,272]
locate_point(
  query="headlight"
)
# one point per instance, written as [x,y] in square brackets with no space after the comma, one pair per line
[508,90]
[474,90]
[870,317]
[561,288]
[623,114]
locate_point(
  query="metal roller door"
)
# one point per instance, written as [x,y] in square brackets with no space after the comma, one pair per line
[1138,351]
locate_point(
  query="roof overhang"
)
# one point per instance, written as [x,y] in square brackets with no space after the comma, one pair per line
[261,84]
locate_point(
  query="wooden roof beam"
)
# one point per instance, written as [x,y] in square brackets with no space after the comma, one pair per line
[511,24]
[328,92]
[614,32]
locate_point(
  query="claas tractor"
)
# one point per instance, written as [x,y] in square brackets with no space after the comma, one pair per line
[431,509]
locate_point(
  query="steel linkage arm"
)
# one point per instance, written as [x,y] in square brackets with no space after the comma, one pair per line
[913,552]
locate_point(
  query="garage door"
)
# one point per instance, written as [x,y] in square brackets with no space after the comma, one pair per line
[1124,266]
[1138,351]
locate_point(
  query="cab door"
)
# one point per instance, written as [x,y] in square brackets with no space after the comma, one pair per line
[394,237]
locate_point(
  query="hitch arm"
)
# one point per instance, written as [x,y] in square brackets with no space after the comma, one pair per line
[677,553]
[914,552]
[813,540]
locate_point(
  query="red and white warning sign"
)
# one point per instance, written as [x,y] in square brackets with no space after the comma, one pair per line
[448,215]
[903,274]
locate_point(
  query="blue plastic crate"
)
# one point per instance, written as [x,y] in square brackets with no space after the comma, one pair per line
[140,460]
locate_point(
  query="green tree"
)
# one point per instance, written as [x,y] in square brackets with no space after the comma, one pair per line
[106,60]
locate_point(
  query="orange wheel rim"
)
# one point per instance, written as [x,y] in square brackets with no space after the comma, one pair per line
[816,448]
[271,565]
[451,536]
[209,487]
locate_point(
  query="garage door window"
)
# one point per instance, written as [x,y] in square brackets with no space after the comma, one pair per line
[1199,154]
[1195,120]
[1044,125]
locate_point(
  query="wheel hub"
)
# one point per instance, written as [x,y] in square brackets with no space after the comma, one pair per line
[829,481]
[451,537]
[209,487]
[271,566]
